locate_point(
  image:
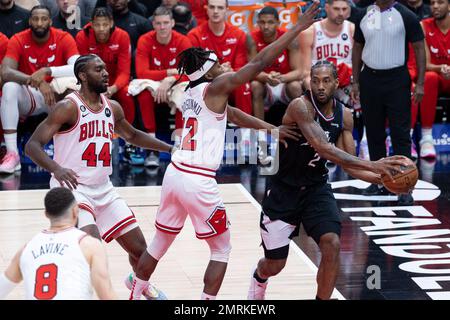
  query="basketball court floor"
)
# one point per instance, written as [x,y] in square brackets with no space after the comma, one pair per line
[387,252]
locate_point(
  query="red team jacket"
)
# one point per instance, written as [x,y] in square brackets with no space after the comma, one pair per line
[229,47]
[281,63]
[3,45]
[438,43]
[153,59]
[116,53]
[31,57]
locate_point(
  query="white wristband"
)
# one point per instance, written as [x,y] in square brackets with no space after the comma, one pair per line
[6,286]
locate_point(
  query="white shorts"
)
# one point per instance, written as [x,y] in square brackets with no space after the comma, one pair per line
[274,94]
[190,191]
[101,205]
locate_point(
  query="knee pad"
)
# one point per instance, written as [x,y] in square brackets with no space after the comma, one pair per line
[220,247]
[160,244]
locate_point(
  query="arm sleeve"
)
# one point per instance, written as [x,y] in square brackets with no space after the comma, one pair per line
[414,31]
[123,62]
[143,70]
[13,49]
[65,71]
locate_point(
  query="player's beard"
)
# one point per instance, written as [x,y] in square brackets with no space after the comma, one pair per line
[98,87]
[42,33]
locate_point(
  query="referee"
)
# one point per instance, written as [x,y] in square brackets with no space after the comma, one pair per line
[381,80]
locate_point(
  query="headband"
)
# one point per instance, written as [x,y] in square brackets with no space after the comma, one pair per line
[212,59]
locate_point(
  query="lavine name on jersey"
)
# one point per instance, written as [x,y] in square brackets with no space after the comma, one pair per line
[50,248]
[95,129]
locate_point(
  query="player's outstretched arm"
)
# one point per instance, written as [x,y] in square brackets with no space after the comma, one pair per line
[345,142]
[64,113]
[245,120]
[227,82]
[303,114]
[95,254]
[11,277]
[134,136]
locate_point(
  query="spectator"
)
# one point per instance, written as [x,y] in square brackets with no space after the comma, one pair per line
[86,7]
[68,17]
[112,45]
[281,80]
[32,58]
[156,56]
[421,9]
[230,45]
[437,76]
[3,46]
[198,8]
[381,44]
[134,24]
[182,15]
[150,6]
[184,21]
[133,5]
[13,18]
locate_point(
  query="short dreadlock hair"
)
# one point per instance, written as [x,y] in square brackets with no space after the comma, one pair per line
[80,64]
[326,64]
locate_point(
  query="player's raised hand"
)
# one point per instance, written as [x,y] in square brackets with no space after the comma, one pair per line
[288,131]
[390,166]
[66,177]
[309,16]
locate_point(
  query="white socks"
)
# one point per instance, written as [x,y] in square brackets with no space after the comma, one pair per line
[427,132]
[206,296]
[138,287]
[11,142]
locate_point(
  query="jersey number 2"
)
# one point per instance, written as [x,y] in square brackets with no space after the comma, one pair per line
[189,143]
[45,286]
[90,156]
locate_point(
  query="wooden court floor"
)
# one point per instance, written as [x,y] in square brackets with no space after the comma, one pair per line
[180,271]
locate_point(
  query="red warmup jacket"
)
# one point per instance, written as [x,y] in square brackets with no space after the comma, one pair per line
[281,63]
[116,53]
[31,57]
[3,44]
[153,58]
[231,46]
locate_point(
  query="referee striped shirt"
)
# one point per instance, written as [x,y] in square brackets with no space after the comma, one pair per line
[385,35]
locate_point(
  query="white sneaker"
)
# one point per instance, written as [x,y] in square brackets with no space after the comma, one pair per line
[257,290]
[427,148]
[151,293]
[10,163]
[152,160]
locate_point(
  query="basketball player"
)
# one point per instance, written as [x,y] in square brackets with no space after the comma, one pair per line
[62,262]
[189,185]
[330,39]
[299,192]
[32,59]
[82,127]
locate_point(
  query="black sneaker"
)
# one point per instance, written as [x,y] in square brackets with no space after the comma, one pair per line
[375,190]
[405,199]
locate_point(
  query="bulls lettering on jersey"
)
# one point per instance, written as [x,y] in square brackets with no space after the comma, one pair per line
[54,267]
[334,49]
[203,136]
[86,147]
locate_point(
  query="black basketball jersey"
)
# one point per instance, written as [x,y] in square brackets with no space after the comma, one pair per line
[300,164]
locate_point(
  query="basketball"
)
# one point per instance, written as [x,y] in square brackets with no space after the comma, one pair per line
[403,182]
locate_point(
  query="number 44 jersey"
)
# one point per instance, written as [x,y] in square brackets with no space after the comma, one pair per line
[86,146]
[300,164]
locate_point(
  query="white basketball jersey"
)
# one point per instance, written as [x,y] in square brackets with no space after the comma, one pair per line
[54,267]
[334,49]
[86,147]
[203,136]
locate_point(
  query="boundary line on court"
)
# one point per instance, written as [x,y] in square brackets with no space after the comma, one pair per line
[292,245]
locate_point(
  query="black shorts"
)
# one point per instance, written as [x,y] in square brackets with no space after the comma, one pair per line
[286,208]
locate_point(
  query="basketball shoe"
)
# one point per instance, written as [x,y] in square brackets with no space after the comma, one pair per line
[151,293]
[10,163]
[427,148]
[257,290]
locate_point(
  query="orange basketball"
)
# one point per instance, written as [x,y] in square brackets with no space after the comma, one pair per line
[403,182]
